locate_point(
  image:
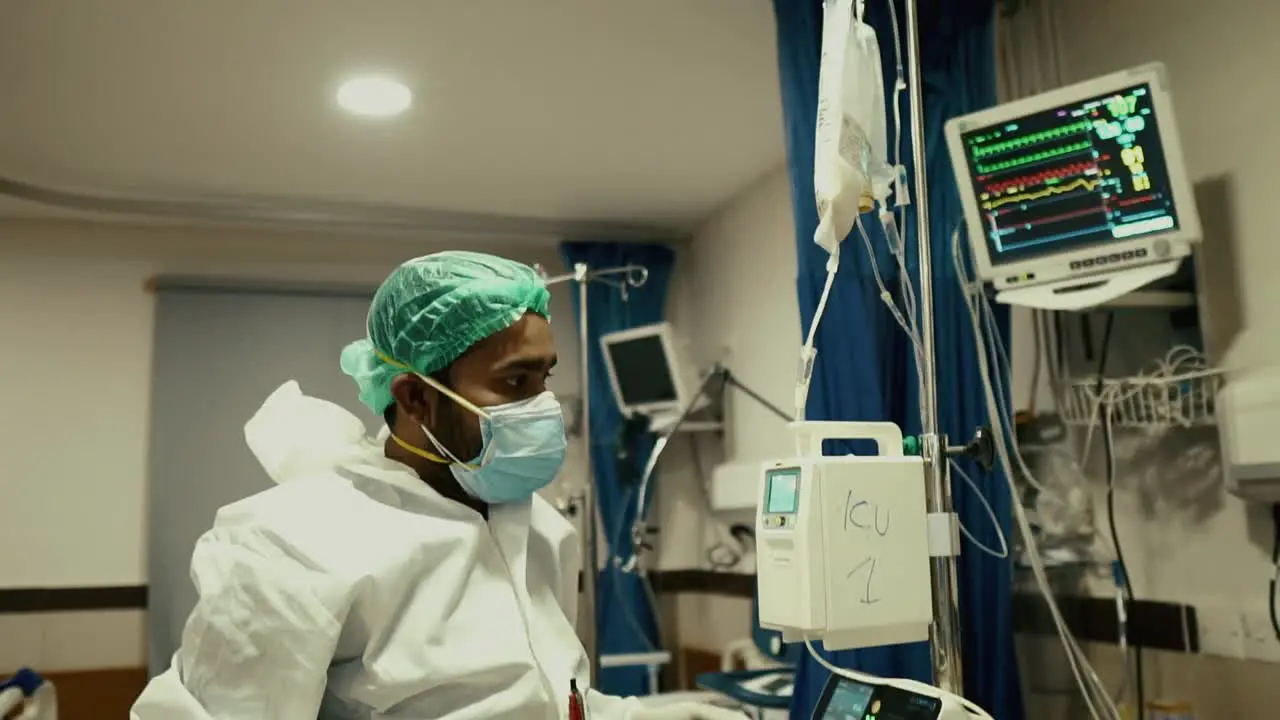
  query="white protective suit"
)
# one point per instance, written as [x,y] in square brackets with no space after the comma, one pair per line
[354,590]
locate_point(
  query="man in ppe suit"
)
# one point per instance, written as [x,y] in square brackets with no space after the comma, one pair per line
[414,576]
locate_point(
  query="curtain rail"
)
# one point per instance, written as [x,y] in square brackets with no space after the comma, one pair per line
[251,286]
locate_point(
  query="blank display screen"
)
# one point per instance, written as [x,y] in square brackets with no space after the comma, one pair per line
[642,371]
[783,491]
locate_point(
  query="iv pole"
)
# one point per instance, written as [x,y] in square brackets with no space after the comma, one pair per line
[584,500]
[945,643]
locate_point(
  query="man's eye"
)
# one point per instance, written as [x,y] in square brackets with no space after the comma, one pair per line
[514,381]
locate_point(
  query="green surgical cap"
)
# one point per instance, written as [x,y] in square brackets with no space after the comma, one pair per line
[431,310]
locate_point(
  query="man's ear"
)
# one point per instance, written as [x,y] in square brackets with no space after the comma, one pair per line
[416,398]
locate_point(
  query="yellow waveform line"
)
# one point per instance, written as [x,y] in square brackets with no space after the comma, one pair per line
[1040,194]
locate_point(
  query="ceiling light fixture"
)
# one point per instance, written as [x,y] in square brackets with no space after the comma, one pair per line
[374,97]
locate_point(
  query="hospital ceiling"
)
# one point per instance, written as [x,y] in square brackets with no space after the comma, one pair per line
[553,113]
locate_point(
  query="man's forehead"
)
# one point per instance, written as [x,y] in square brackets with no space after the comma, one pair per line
[528,340]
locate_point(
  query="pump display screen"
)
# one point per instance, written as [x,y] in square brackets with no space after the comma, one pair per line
[782,491]
[845,699]
[1083,175]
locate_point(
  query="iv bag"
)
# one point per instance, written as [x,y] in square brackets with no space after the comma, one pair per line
[850,168]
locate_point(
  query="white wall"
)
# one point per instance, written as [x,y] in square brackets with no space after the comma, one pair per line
[736,302]
[745,311]
[1185,539]
[1221,59]
[76,332]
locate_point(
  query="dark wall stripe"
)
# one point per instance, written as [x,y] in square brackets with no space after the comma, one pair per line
[706,582]
[33,600]
[1156,625]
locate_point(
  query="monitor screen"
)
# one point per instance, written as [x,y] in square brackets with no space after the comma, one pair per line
[640,364]
[845,699]
[849,701]
[1082,175]
[782,491]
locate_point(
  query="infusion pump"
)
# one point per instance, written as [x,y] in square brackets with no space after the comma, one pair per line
[843,549]
[843,542]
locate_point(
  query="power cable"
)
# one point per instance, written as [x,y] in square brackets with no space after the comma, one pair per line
[1108,444]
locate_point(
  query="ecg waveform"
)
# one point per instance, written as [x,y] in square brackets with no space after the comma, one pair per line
[1080,183]
[1043,185]
[1043,136]
[1041,156]
[1029,180]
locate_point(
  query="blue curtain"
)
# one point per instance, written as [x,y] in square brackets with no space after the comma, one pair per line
[864,368]
[624,618]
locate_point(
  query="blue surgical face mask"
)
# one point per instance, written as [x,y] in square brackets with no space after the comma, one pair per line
[522,451]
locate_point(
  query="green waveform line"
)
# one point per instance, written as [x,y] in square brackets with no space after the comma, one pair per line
[1036,157]
[1032,139]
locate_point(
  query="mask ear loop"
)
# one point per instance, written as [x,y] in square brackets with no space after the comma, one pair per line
[461,401]
[420,452]
[454,396]
[432,382]
[425,454]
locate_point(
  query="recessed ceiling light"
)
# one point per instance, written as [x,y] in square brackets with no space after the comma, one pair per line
[374,97]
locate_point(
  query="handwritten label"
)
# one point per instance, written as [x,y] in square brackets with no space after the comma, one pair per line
[871,523]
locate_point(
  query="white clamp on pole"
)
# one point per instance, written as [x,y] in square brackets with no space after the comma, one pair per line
[944,527]
[944,534]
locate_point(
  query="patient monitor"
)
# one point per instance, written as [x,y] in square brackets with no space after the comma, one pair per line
[646,374]
[1076,196]
[843,543]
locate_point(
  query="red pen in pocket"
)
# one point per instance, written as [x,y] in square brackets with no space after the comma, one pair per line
[575,702]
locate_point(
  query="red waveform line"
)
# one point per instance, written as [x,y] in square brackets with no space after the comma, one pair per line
[1056,218]
[1135,200]
[1036,178]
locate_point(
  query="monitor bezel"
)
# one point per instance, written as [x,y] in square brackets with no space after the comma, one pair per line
[1055,266]
[666,335]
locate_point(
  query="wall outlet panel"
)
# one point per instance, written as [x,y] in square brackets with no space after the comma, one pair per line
[1221,631]
[1259,637]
